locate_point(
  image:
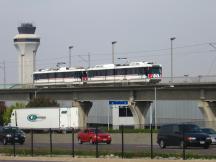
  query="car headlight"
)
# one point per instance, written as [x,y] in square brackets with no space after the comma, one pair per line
[208,138]
[8,135]
[109,136]
[191,138]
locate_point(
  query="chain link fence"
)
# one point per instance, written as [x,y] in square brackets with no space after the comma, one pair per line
[126,142]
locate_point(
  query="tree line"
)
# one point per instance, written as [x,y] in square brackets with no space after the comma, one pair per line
[5,112]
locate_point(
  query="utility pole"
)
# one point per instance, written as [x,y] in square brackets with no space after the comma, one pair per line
[172,39]
[70,47]
[89,60]
[113,55]
[4,73]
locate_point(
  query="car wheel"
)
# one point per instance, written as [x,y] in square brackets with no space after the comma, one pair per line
[91,141]
[80,141]
[21,142]
[162,144]
[109,142]
[206,146]
[4,141]
[182,144]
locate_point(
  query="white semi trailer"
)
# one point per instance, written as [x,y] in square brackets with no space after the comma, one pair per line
[46,117]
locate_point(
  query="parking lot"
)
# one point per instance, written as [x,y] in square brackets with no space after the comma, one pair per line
[133,143]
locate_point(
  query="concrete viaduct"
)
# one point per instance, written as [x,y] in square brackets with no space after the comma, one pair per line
[140,97]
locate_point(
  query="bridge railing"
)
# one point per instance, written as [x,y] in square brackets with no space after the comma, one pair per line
[190,79]
[176,80]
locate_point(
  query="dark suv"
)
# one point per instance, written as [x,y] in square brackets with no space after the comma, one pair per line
[173,135]
[11,135]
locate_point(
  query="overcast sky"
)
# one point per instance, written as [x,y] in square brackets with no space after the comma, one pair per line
[142,29]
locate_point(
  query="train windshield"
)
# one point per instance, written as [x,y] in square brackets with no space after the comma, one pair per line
[155,70]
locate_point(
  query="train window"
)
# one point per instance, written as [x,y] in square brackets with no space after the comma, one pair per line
[120,71]
[129,71]
[43,76]
[101,73]
[51,75]
[94,73]
[89,74]
[140,71]
[36,77]
[109,72]
[78,74]
[66,75]
[59,75]
[132,71]
[70,74]
[155,70]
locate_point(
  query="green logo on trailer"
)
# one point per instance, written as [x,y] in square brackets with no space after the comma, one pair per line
[32,117]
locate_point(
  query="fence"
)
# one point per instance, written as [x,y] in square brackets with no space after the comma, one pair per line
[126,142]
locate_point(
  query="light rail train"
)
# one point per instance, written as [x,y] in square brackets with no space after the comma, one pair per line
[139,72]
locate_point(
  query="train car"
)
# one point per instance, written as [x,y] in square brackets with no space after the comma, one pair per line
[59,76]
[132,72]
[142,72]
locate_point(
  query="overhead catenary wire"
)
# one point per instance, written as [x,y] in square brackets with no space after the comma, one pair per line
[151,53]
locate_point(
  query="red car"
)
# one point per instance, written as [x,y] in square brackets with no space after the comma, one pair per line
[90,135]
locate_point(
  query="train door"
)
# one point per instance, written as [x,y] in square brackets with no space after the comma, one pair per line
[84,76]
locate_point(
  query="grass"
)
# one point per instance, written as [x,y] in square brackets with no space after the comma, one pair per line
[129,130]
[68,152]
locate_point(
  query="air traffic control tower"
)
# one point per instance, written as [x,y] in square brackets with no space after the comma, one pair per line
[26,43]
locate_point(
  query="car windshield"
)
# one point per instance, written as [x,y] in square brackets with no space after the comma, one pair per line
[12,129]
[209,131]
[98,131]
[190,128]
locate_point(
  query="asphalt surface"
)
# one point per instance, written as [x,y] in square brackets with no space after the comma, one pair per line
[66,159]
[133,142]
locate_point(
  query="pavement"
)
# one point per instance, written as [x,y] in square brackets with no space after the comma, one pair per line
[77,159]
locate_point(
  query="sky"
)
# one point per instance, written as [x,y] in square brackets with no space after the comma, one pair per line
[142,29]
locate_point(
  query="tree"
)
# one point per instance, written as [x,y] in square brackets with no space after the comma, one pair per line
[42,102]
[2,110]
[8,111]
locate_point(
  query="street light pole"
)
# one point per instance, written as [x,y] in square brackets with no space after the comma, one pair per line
[172,39]
[34,61]
[113,56]
[4,73]
[89,60]
[70,47]
[155,107]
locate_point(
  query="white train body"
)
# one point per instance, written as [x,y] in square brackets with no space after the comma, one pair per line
[108,73]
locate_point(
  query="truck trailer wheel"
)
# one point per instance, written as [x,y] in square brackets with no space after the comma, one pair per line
[79,141]
[4,141]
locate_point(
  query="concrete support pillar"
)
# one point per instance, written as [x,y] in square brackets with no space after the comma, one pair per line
[208,109]
[85,107]
[139,110]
